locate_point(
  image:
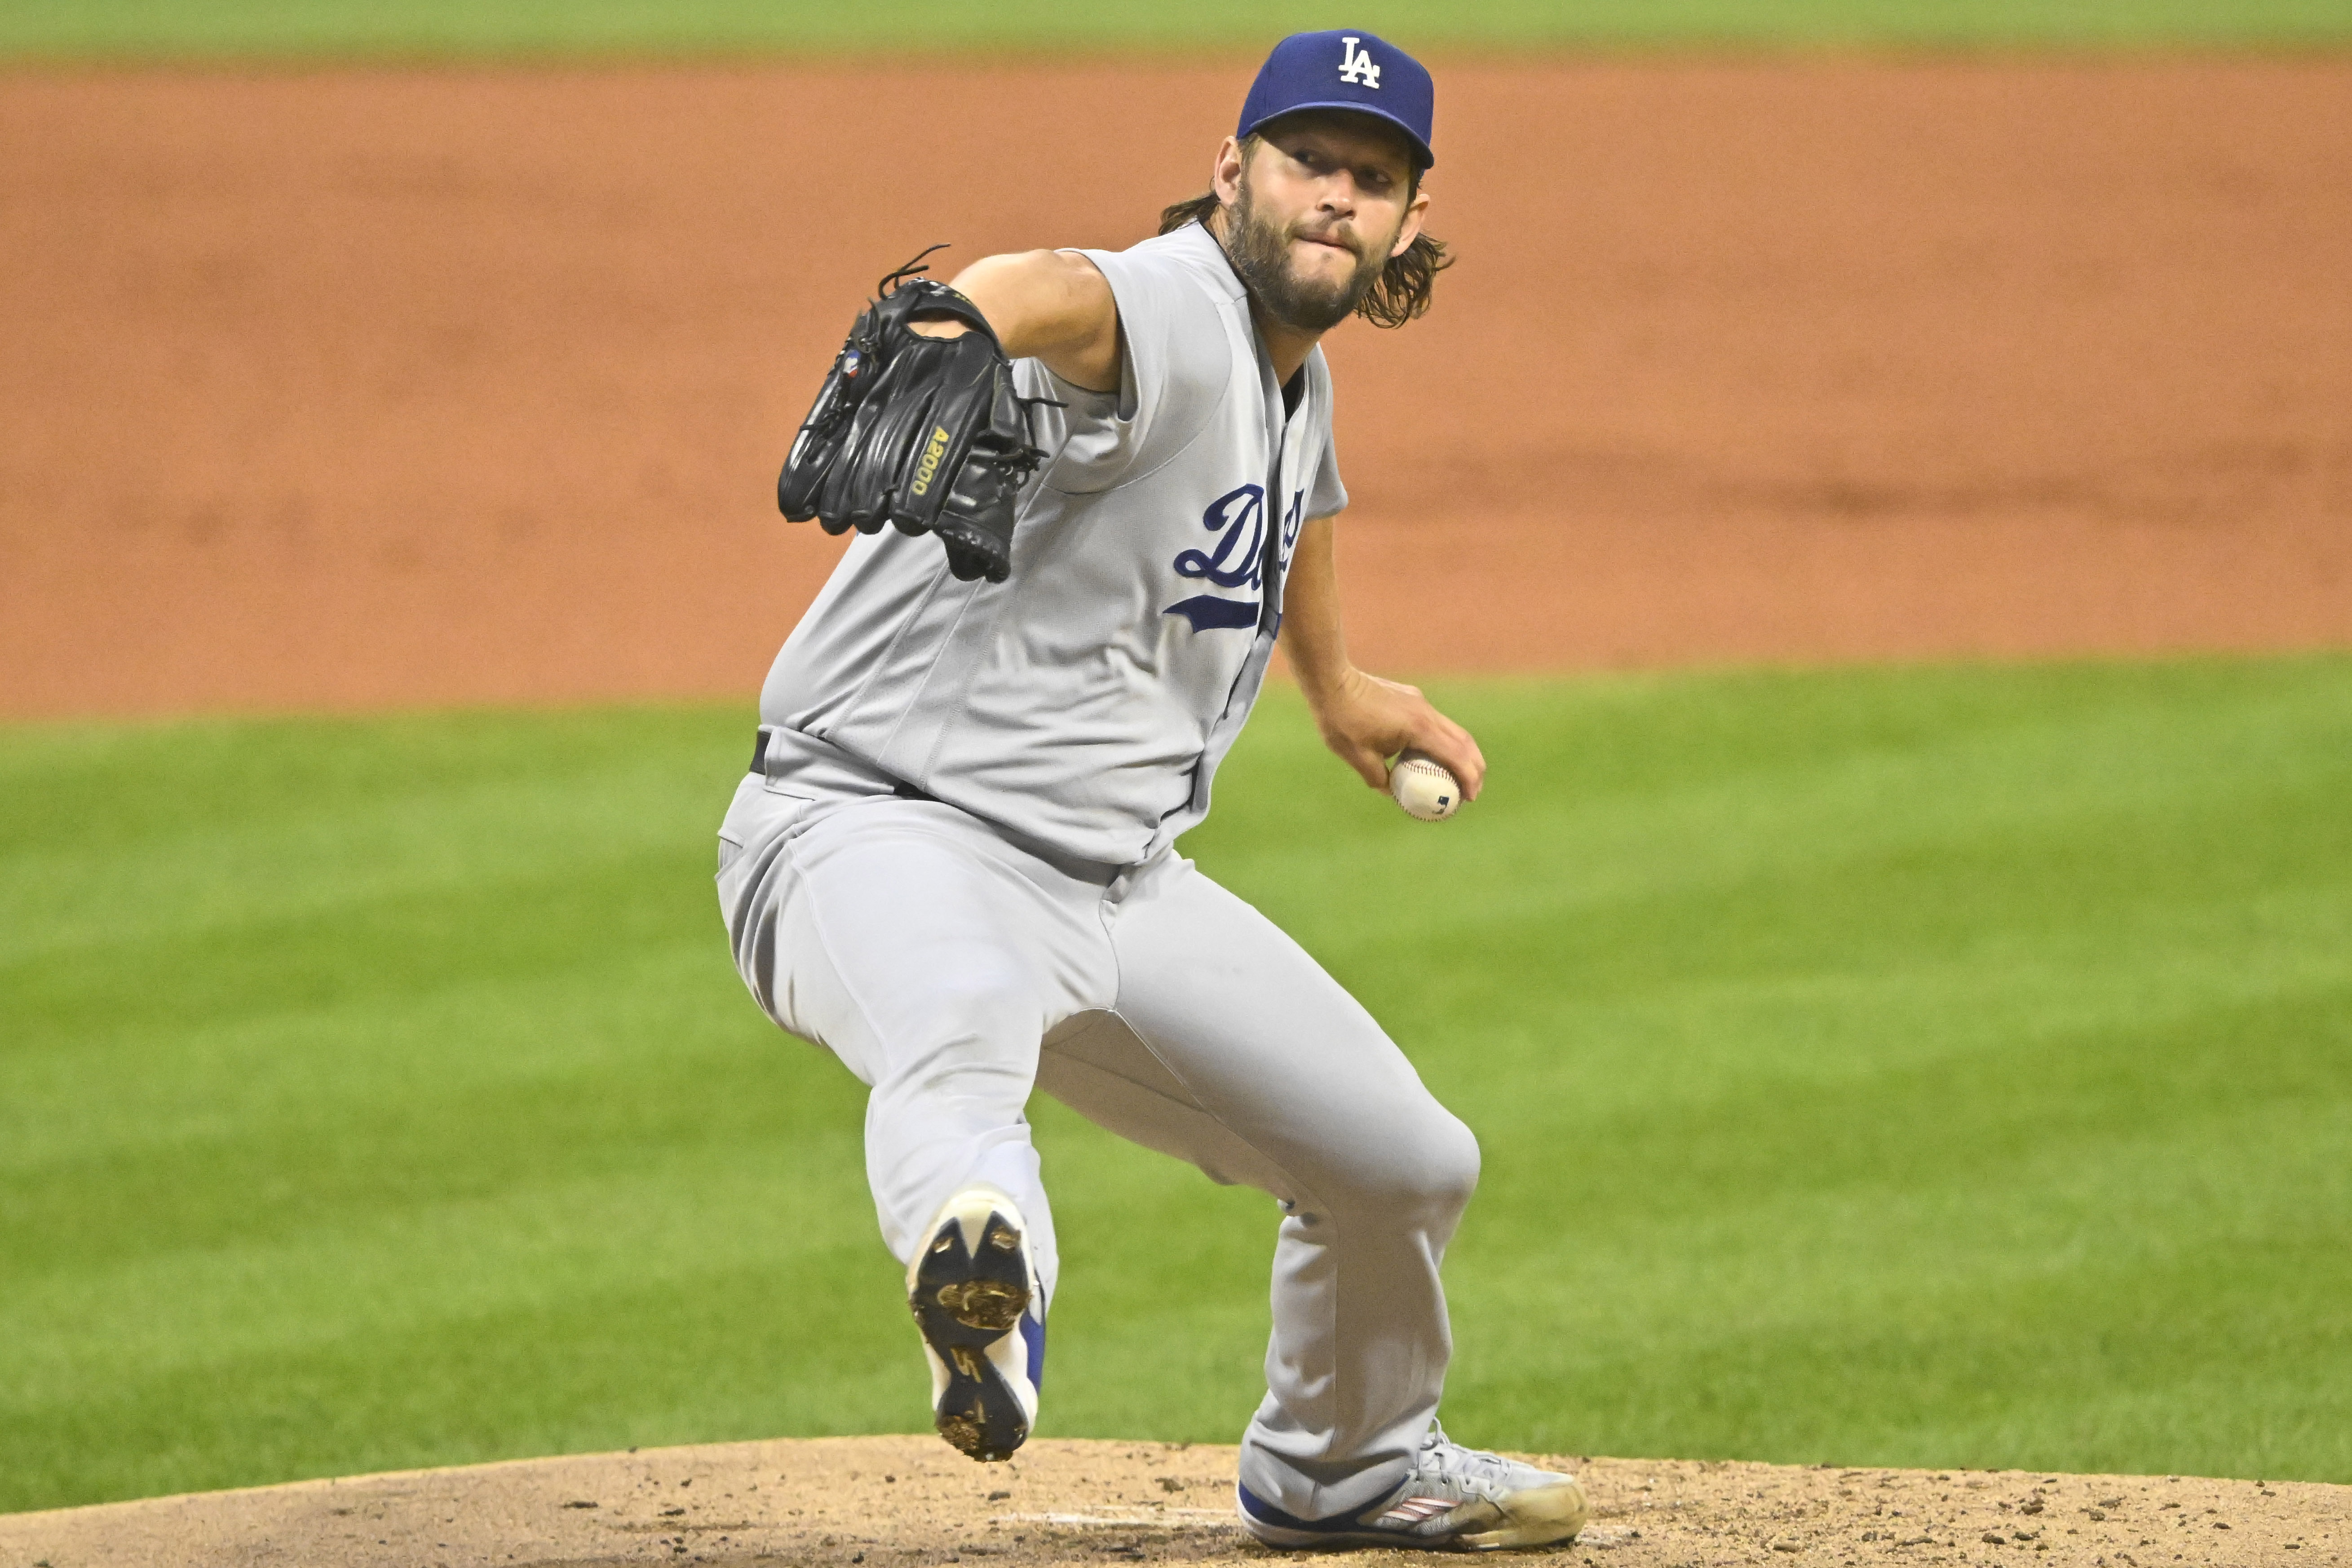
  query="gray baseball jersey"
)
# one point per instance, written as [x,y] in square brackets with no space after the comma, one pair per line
[1087,703]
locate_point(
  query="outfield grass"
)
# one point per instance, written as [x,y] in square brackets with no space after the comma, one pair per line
[1946,1067]
[173,28]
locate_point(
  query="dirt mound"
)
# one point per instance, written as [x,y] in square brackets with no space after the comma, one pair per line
[379,387]
[907,1501]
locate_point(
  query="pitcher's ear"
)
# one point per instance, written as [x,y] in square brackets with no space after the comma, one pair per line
[1225,173]
[1416,213]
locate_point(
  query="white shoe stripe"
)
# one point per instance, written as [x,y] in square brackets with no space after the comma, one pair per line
[1414,1511]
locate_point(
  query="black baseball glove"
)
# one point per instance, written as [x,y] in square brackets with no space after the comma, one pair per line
[923,433]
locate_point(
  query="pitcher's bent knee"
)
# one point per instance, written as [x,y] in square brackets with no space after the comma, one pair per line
[1425,1164]
[1447,1162]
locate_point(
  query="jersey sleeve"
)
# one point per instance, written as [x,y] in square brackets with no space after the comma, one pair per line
[1325,494]
[1175,363]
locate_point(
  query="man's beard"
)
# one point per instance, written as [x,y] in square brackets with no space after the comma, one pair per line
[1260,252]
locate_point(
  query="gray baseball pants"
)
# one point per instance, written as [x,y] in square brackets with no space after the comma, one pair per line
[952,970]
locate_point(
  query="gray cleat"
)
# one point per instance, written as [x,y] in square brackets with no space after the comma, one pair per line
[1455,1499]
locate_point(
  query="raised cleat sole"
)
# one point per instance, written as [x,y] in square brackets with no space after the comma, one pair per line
[965,1300]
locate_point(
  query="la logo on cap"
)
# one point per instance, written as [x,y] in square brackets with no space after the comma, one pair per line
[1375,77]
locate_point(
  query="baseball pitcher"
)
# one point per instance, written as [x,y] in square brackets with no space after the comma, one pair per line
[1092,492]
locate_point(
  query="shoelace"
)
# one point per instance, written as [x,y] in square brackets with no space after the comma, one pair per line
[1474,1470]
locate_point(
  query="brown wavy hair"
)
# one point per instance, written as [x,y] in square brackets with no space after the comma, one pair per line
[1398,294]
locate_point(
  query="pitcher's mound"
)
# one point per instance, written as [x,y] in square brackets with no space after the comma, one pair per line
[895,1502]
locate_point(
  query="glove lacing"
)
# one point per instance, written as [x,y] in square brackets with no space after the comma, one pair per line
[863,349]
[1023,461]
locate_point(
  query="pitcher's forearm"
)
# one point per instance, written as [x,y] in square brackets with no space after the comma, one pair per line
[1364,719]
[1312,637]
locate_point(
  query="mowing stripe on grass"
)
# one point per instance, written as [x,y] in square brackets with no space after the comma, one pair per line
[1944,1067]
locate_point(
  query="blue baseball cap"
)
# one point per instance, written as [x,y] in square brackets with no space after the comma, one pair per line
[1342,70]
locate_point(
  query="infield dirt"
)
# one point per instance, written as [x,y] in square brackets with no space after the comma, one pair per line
[378,386]
[899,1502]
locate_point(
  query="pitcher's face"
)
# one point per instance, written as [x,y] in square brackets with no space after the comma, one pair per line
[1324,202]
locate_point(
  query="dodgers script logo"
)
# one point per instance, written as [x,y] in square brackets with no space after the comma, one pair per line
[1236,560]
[1356,65]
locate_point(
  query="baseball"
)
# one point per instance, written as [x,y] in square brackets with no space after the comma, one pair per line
[1422,786]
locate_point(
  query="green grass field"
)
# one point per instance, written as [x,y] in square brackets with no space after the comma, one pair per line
[1936,1066]
[298,28]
